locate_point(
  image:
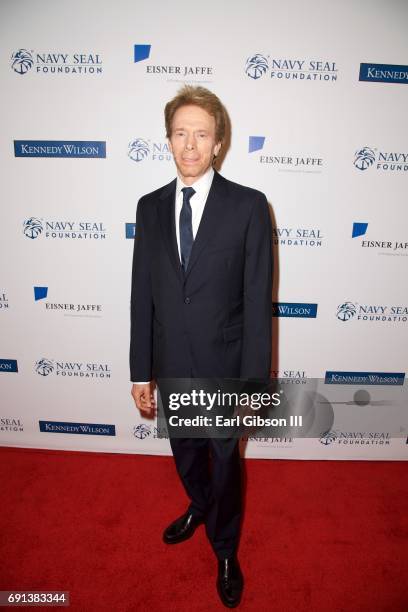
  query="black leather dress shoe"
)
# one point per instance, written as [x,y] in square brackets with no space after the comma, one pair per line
[182,528]
[230,582]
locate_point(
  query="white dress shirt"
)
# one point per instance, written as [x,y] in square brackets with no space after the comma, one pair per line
[197,202]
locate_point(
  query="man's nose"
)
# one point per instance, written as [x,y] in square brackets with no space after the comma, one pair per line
[190,142]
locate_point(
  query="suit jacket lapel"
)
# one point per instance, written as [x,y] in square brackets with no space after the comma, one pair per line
[166,212]
[214,210]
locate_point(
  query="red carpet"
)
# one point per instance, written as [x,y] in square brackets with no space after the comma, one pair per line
[318,536]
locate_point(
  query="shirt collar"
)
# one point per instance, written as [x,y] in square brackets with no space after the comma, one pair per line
[201,186]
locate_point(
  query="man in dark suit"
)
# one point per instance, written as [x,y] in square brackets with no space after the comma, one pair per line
[201,308]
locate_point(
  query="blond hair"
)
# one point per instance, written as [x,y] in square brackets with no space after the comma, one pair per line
[197,96]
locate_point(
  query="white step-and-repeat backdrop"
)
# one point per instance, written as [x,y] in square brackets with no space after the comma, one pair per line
[317,100]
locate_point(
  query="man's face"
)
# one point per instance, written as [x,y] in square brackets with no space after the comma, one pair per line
[193,142]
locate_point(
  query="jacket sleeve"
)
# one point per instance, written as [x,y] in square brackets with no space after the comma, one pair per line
[257,329]
[141,304]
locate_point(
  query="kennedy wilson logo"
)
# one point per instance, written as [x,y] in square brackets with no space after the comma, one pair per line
[45,367]
[171,72]
[388,161]
[364,378]
[35,227]
[373,313]
[284,161]
[383,73]
[87,429]
[292,309]
[260,66]
[8,365]
[60,148]
[298,236]
[24,61]
[379,245]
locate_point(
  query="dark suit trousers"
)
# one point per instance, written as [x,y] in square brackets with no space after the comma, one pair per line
[210,470]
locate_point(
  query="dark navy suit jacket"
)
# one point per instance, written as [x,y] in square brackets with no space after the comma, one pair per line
[215,319]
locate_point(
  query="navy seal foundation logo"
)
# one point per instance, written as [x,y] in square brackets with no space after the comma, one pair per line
[285,68]
[141,431]
[256,66]
[141,149]
[346,311]
[44,366]
[22,61]
[56,62]
[64,229]
[138,149]
[386,161]
[32,228]
[364,158]
[383,313]
[76,369]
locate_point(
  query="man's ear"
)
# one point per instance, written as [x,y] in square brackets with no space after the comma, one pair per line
[217,148]
[170,147]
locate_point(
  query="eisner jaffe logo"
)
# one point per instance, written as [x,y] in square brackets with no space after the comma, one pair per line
[381,244]
[196,73]
[69,309]
[284,162]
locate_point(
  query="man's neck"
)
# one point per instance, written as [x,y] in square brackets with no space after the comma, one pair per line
[189,181]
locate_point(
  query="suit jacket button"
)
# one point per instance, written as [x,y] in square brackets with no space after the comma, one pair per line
[187,300]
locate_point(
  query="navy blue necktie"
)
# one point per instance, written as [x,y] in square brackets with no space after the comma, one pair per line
[186,227]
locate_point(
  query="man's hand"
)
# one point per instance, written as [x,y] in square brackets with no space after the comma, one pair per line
[144,398]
